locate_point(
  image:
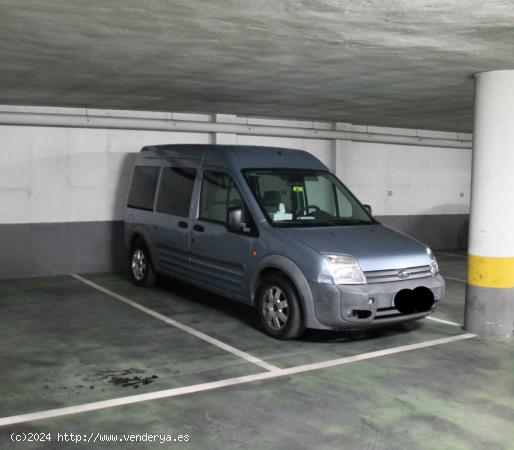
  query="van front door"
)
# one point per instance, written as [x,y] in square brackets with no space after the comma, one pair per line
[172,224]
[219,257]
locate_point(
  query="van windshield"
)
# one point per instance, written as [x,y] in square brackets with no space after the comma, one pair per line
[303,198]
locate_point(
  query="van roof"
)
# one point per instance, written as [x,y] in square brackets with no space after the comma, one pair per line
[235,157]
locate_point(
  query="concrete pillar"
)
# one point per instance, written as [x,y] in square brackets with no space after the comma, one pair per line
[340,148]
[224,138]
[490,288]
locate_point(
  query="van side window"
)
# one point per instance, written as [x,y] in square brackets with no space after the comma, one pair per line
[142,189]
[219,193]
[175,191]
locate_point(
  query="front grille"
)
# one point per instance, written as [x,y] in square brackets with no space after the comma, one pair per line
[384,276]
[385,313]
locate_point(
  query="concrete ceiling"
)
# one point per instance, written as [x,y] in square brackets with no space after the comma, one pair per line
[405,63]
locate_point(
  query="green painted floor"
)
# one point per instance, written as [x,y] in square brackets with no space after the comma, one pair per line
[65,343]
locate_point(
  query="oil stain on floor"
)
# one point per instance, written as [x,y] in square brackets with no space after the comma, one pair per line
[126,378]
[100,378]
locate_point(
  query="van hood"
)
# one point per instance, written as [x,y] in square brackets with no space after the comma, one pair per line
[376,247]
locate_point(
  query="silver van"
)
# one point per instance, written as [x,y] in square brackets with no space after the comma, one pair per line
[273,228]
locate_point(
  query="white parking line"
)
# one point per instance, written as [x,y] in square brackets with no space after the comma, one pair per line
[376,354]
[174,392]
[446,322]
[181,326]
[454,279]
[454,255]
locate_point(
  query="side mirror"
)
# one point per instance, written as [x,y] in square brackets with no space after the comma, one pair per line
[235,219]
[368,208]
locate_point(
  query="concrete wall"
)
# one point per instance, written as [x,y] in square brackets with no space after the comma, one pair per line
[62,190]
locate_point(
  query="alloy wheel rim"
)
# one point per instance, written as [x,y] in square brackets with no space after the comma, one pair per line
[275,308]
[138,264]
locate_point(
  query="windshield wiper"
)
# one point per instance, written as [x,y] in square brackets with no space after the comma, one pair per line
[320,223]
[300,223]
[349,222]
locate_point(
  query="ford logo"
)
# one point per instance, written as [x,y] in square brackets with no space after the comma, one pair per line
[403,274]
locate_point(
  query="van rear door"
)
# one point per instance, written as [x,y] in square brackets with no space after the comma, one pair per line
[172,224]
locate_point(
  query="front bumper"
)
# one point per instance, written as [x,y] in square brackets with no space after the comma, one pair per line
[368,305]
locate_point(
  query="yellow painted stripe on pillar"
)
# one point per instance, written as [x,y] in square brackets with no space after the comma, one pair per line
[490,271]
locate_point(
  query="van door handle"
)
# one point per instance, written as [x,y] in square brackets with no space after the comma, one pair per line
[199,228]
[182,224]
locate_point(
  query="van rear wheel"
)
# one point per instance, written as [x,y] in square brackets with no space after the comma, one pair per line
[141,267]
[279,308]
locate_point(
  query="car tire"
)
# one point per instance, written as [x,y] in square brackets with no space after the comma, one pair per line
[140,264]
[279,308]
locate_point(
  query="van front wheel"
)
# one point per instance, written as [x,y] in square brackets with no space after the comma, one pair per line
[141,267]
[279,308]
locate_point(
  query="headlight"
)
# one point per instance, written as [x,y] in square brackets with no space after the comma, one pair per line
[345,269]
[434,268]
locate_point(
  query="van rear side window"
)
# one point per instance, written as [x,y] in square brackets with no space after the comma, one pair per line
[142,189]
[175,191]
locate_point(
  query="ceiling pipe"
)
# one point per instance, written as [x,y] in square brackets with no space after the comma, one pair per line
[139,123]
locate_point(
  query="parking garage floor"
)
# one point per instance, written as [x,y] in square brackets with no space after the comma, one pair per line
[98,357]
